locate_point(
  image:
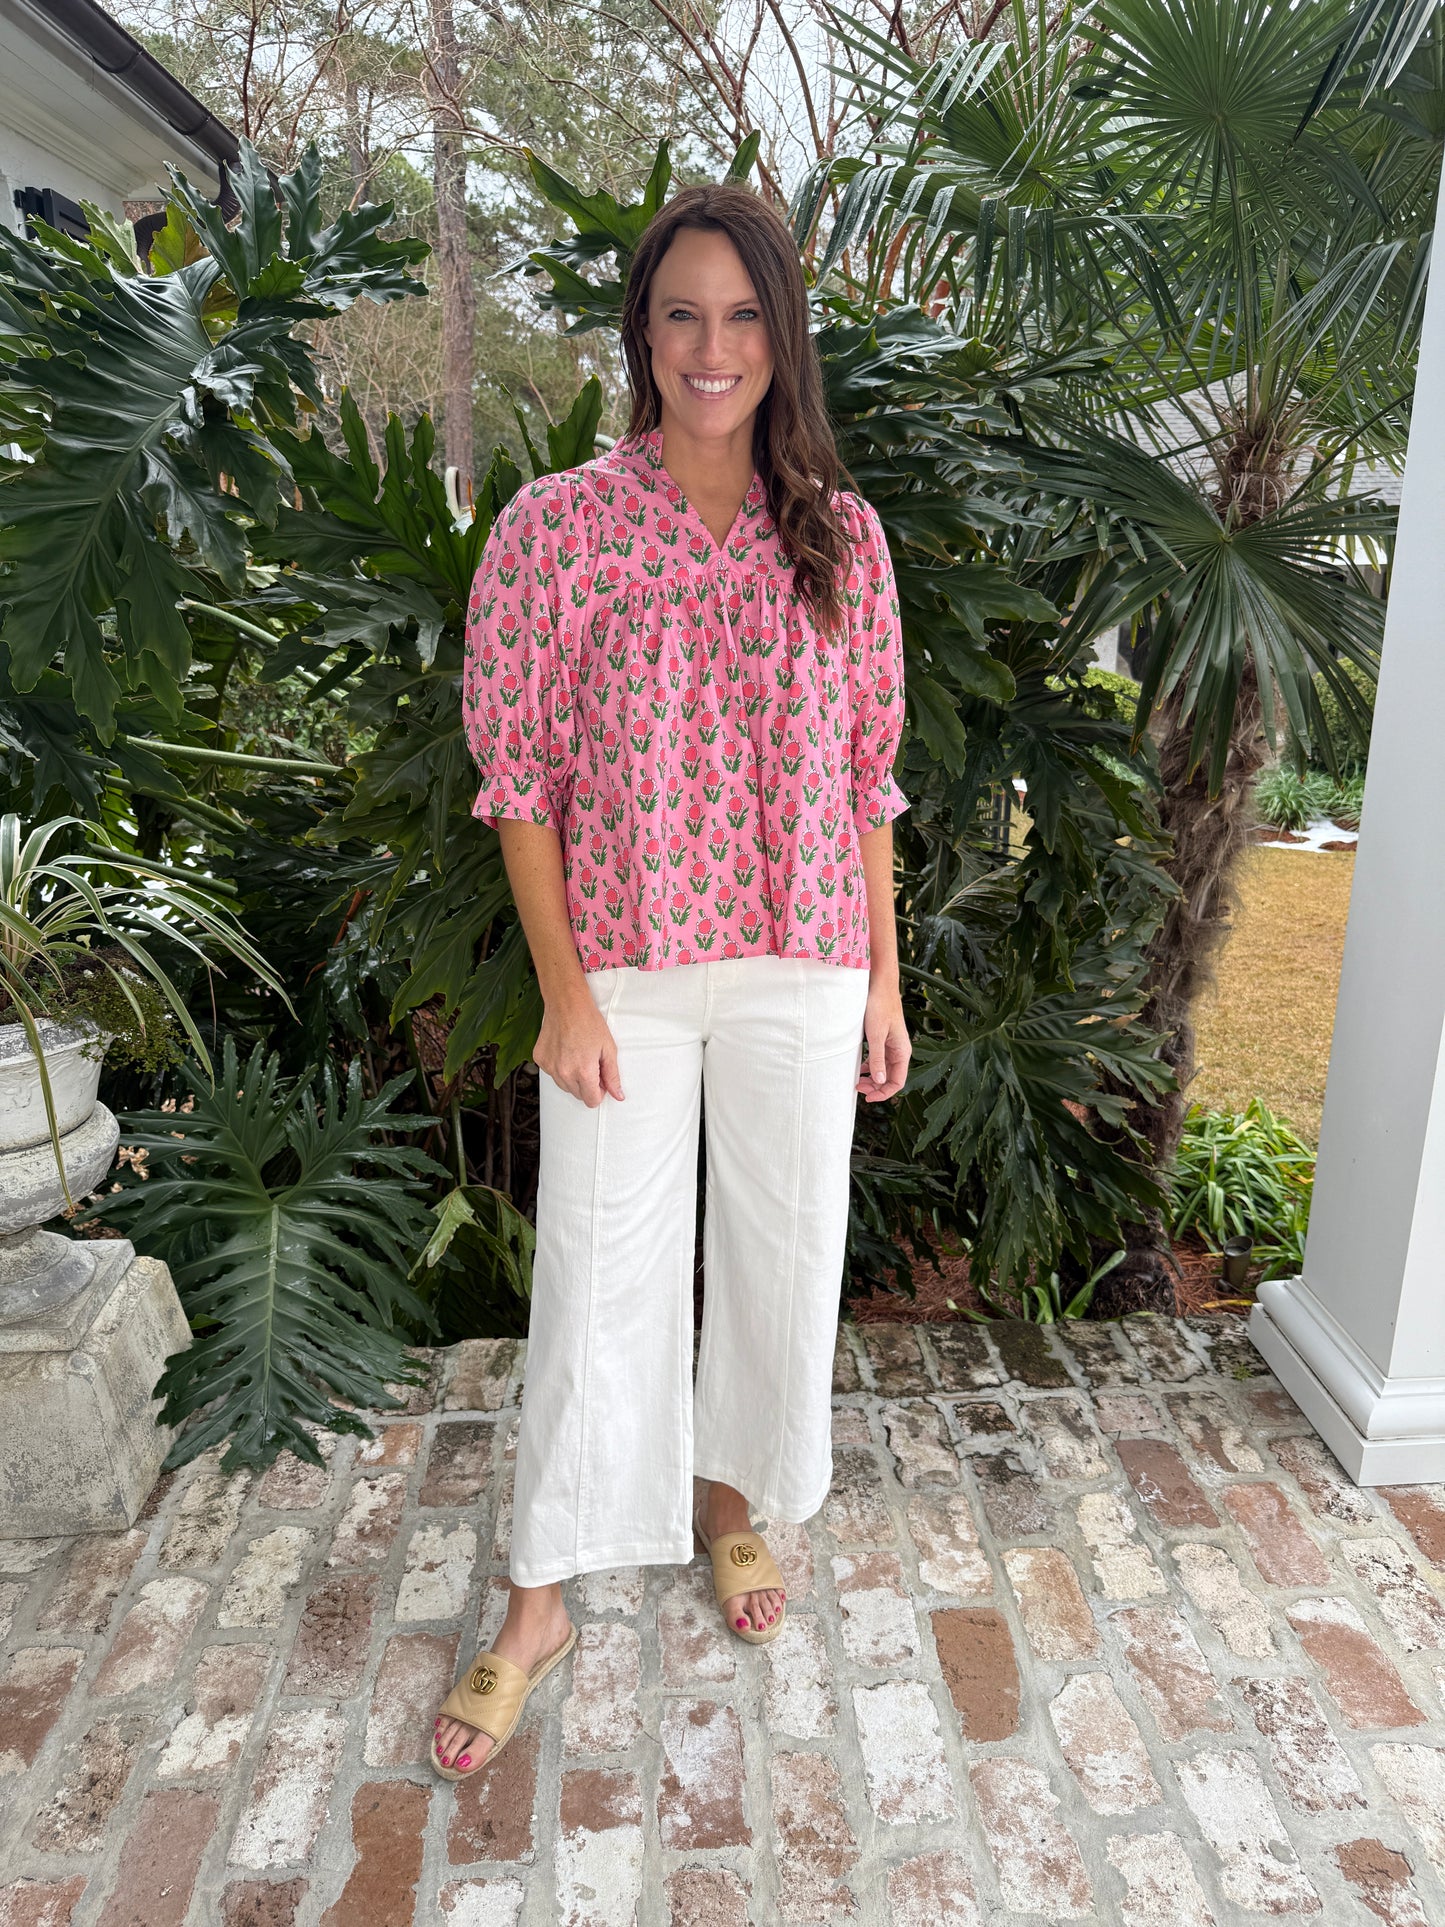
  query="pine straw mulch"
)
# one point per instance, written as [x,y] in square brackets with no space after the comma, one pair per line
[1200,1288]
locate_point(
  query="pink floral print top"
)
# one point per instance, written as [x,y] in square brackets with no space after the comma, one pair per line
[708,758]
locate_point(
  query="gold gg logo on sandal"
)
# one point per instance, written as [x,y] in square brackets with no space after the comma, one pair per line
[483,1680]
[744,1555]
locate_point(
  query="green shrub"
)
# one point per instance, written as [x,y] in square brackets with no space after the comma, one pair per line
[1290,801]
[1101,694]
[1244,1175]
[1349,754]
[1347,798]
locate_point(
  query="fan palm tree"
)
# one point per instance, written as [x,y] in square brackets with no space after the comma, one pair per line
[1232,199]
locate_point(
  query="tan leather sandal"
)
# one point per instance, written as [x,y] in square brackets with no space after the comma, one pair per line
[490,1696]
[741,1556]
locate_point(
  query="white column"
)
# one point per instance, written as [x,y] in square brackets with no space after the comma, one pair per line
[1359,1339]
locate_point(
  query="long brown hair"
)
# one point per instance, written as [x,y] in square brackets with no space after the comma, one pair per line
[793,447]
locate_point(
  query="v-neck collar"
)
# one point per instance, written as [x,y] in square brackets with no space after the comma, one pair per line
[646,450]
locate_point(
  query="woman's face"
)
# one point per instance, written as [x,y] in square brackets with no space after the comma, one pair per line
[711,357]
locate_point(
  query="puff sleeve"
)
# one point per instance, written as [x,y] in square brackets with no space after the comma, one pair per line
[875,675]
[518,711]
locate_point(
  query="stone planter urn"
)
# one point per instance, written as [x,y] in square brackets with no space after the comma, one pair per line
[85,1325]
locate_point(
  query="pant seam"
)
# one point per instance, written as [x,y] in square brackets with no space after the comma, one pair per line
[785,1402]
[594,1259]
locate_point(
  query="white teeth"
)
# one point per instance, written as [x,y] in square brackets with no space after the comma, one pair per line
[718,387]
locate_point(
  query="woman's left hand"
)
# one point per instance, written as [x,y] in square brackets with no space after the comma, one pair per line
[885,1067]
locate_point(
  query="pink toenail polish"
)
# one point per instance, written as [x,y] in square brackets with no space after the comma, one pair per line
[742,1622]
[445,1760]
[771,1617]
[465,1760]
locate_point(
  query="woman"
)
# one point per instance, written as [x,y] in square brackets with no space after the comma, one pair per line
[684,694]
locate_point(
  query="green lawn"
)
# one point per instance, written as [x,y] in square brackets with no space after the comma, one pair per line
[1264,1029]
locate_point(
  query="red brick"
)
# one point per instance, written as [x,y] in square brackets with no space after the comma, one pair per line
[97,1567]
[1102,1361]
[705,1897]
[933,1890]
[460,1463]
[1066,1437]
[153,1635]
[1028,1355]
[294,1484]
[492,1817]
[368,1526]
[964,1364]
[854,1511]
[1162,1481]
[1272,1405]
[817,1848]
[1258,1871]
[481,1369]
[950,1556]
[1309,1760]
[919,1443]
[1362,1682]
[1038,1865]
[600,1712]
[394,1445]
[387,1821]
[1382,1877]
[981,1422]
[41,1903]
[1013,1499]
[1173,1676]
[290,1790]
[600,1850]
[693,1642]
[846,1375]
[1318,1473]
[1102,1745]
[892,1351]
[1162,1888]
[1121,1415]
[1282,1549]
[160,1860]
[1421,1511]
[1213,1431]
[699,1799]
[334,1637]
[878,1624]
[1051,1603]
[74,1820]
[260,1903]
[1411,1609]
[417,1672]
[32,1693]
[202,1523]
[976,1658]
[229,1684]
[905,1767]
[1161,1349]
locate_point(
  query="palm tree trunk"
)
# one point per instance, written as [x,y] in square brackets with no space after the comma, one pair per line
[454,261]
[1209,835]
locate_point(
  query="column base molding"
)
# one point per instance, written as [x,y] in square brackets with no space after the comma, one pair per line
[1383,1431]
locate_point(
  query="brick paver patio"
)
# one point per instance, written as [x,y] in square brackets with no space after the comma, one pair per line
[1091,1628]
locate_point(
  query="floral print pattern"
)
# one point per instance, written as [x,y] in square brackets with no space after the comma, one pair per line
[708,757]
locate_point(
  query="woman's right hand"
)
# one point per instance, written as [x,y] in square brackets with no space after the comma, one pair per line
[577,1050]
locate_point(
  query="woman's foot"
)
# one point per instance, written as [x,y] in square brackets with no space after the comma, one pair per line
[726,1510]
[535,1626]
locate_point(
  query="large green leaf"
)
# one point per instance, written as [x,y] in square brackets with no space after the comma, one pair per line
[290,1220]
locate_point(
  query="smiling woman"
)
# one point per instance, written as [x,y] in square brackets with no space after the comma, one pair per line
[684,694]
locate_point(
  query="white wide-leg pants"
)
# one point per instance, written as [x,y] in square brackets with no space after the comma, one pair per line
[612,1430]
